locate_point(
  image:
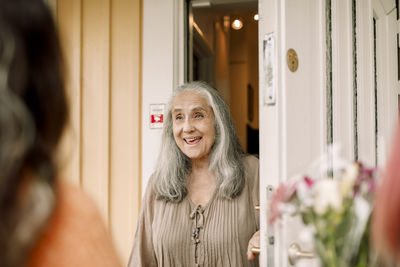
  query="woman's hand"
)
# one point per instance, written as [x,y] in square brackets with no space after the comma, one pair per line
[254,242]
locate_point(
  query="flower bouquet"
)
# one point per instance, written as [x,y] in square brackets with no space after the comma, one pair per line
[337,210]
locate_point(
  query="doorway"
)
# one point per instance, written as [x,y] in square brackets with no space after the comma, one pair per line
[222,50]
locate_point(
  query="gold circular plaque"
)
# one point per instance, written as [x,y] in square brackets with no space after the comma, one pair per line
[292,60]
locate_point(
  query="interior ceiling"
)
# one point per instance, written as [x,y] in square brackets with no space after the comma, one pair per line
[219,2]
[228,6]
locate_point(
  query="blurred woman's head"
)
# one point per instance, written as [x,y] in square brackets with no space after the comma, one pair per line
[33,113]
[225,156]
[386,215]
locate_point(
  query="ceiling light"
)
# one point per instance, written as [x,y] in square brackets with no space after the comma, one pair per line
[237,24]
[256,17]
[201,3]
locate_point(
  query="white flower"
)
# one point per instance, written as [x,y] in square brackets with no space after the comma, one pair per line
[348,179]
[304,194]
[327,195]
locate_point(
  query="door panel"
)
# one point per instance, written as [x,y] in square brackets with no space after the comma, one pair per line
[293,129]
[385,76]
[302,100]
[343,73]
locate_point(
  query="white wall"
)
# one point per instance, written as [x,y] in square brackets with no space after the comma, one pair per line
[162,63]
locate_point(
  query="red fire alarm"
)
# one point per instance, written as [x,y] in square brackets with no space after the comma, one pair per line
[156,115]
[157,118]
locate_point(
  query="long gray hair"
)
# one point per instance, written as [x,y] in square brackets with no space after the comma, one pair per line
[226,155]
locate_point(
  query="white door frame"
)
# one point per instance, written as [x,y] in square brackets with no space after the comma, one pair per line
[342,77]
[343,98]
[384,11]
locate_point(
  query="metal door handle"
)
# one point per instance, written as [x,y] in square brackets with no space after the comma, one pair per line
[255,250]
[295,253]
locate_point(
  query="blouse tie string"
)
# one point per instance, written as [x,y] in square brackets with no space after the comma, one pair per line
[198,217]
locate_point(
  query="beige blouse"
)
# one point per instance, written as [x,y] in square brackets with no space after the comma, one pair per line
[183,234]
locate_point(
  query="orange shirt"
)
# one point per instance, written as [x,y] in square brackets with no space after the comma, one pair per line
[75,235]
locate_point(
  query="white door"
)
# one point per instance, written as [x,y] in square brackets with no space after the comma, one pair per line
[343,90]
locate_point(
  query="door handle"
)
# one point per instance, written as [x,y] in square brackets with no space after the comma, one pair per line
[295,253]
[256,250]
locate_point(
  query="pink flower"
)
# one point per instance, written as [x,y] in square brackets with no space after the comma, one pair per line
[283,194]
[309,182]
[366,178]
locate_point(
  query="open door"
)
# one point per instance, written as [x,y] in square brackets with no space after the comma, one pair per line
[292,107]
[226,57]
[328,74]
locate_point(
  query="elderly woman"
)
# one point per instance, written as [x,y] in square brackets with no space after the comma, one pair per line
[198,209]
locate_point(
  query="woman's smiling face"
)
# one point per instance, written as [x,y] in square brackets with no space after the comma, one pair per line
[193,125]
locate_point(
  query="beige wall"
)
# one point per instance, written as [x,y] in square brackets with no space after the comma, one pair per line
[222,60]
[236,67]
[205,21]
[252,65]
[238,80]
[243,70]
[101,43]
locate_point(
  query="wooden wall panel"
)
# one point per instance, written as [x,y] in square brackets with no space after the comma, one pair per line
[101,41]
[125,118]
[96,100]
[69,24]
